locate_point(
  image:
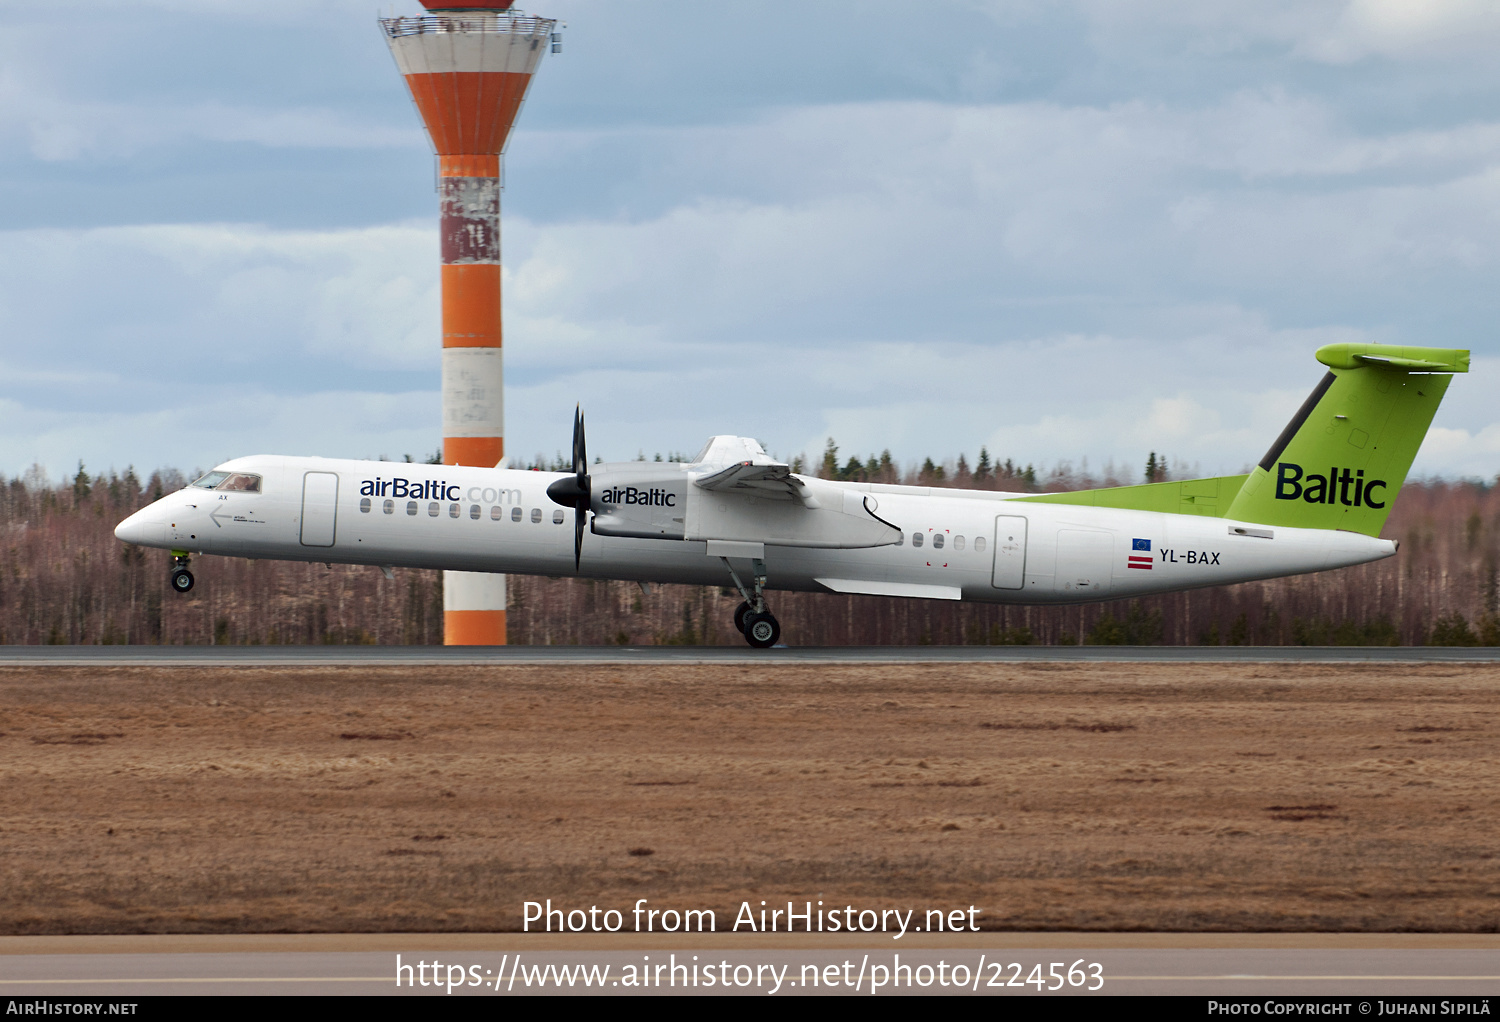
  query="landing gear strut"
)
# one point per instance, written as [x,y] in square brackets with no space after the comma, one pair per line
[760,627]
[182,579]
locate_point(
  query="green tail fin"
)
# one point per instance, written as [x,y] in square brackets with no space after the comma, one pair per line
[1340,462]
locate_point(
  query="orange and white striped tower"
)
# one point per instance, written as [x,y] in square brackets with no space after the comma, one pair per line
[468,64]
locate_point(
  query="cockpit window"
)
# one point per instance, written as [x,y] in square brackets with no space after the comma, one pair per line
[244,482]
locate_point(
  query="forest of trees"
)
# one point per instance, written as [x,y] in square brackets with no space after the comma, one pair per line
[64,578]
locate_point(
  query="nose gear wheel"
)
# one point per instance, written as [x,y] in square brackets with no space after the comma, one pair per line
[180,577]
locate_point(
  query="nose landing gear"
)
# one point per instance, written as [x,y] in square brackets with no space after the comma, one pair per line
[181,578]
[759,625]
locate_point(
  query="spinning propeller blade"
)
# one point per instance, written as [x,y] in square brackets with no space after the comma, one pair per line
[581,469]
[574,492]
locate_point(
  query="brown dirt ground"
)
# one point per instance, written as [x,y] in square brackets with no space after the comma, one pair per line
[1054,796]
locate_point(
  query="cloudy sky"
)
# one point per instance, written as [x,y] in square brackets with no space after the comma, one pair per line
[1064,230]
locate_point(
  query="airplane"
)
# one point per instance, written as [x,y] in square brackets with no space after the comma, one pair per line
[734,515]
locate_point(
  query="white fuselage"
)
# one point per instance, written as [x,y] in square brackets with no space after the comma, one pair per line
[993,549]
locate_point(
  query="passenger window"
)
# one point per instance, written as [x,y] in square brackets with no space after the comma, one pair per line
[474,511]
[364,505]
[979,544]
[495,513]
[432,510]
[389,507]
[536,514]
[515,514]
[452,510]
[557,518]
[916,539]
[958,542]
[411,507]
[937,541]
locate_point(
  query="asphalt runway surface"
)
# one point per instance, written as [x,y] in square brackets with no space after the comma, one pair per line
[1256,965]
[314,656]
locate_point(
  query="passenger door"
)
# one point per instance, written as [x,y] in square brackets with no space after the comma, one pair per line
[320,502]
[1010,552]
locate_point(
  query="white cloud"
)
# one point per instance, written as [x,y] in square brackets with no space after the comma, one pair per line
[1263,187]
[1404,29]
[1460,452]
[275,11]
[209,422]
[120,79]
[1335,32]
[1053,281]
[56,129]
[942,240]
[212,294]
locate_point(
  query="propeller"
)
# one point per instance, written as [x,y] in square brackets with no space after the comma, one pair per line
[574,492]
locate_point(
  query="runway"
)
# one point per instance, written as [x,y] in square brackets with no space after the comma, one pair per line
[1255,965]
[434,656]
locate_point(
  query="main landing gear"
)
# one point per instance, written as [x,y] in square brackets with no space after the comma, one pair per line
[182,579]
[760,627]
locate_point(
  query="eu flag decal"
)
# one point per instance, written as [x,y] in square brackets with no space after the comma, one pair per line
[1137,559]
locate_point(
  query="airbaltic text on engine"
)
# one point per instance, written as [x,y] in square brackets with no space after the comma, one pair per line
[1291,484]
[631,495]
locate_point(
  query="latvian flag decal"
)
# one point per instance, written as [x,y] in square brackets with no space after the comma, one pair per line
[1140,556]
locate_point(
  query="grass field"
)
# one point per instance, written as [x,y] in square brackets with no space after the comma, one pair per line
[1052,796]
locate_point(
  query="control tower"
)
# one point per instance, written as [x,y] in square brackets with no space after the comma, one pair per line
[468,64]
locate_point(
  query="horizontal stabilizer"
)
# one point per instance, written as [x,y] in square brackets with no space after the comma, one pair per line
[1396,356]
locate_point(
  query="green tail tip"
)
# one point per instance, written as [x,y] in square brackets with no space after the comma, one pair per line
[1354,355]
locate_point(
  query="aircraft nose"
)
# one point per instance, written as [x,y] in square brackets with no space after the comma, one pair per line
[131,529]
[143,528]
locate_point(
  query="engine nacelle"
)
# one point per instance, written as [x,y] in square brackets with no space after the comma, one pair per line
[656,500]
[643,499]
